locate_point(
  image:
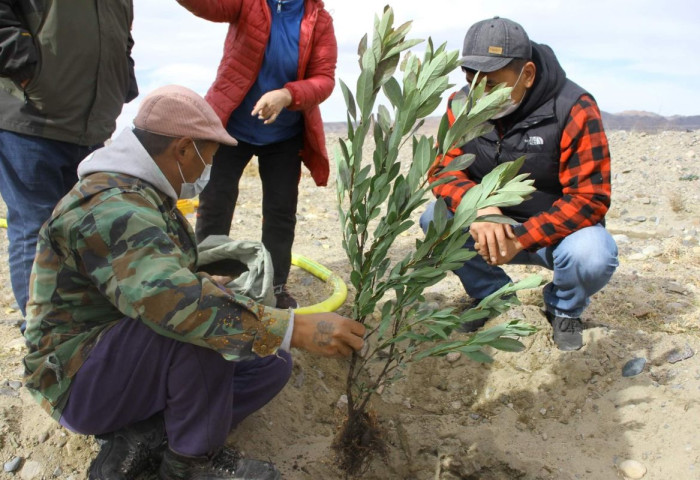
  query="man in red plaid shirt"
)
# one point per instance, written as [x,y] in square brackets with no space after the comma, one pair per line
[557,126]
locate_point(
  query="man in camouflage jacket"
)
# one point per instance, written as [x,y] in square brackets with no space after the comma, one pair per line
[124,334]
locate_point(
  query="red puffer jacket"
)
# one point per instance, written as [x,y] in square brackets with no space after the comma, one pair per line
[244,49]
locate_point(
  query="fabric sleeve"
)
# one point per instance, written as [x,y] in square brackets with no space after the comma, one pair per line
[319,76]
[452,191]
[584,173]
[126,250]
[18,55]
[214,10]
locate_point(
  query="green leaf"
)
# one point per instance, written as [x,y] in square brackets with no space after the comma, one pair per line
[392,90]
[349,99]
[507,344]
[479,356]
[459,163]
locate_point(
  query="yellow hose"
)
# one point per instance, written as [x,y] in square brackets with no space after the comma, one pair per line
[340,290]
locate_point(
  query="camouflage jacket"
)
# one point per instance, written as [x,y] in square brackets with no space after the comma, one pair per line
[117,247]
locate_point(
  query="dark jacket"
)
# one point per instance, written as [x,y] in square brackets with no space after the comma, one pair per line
[76,57]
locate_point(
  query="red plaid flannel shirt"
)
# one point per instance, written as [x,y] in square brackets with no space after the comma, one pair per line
[584,173]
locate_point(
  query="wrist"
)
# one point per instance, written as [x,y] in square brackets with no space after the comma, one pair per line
[287,95]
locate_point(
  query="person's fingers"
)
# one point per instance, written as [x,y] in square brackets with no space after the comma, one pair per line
[501,241]
[271,119]
[509,231]
[354,342]
[492,247]
[357,328]
[343,350]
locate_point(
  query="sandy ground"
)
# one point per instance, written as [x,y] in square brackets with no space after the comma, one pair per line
[538,414]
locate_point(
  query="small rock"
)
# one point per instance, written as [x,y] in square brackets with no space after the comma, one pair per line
[543,411]
[632,469]
[58,472]
[641,312]
[456,405]
[474,416]
[645,200]
[652,251]
[342,402]
[299,381]
[678,355]
[42,437]
[452,357]
[8,392]
[14,384]
[31,470]
[13,464]
[637,256]
[634,367]
[676,288]
[621,239]
[640,219]
[544,437]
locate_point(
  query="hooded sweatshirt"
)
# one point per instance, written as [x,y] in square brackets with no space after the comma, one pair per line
[117,247]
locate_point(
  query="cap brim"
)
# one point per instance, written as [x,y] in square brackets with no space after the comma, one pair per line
[226,139]
[480,63]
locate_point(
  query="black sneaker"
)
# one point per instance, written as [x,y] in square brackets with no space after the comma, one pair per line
[567,333]
[284,299]
[227,464]
[128,452]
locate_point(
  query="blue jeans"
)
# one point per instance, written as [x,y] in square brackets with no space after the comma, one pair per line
[35,173]
[583,263]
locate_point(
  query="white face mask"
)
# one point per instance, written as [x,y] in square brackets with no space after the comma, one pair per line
[511,106]
[191,190]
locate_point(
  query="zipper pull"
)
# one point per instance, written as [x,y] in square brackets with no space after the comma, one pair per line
[279,6]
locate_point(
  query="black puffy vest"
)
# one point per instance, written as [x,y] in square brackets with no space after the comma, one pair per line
[538,137]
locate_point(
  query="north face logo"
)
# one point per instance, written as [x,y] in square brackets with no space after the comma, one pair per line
[535,141]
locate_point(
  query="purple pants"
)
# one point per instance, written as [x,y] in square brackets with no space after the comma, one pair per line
[134,373]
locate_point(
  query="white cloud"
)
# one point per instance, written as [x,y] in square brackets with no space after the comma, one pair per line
[631,54]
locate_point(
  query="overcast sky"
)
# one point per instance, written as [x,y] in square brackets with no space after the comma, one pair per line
[630,54]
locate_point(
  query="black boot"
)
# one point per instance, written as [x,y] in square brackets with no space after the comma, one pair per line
[128,452]
[567,333]
[224,465]
[283,298]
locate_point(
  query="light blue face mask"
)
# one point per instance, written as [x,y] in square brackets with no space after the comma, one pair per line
[191,190]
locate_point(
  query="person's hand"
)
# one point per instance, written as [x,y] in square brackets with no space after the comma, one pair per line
[491,239]
[327,334]
[271,104]
[511,247]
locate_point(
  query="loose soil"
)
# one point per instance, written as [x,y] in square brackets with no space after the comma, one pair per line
[538,414]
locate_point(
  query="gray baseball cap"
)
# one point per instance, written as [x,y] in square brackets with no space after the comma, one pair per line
[491,45]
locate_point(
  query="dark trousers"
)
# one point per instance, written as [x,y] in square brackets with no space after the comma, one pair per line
[280,170]
[35,173]
[134,373]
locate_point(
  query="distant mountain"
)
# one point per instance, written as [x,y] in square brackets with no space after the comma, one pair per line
[631,120]
[648,122]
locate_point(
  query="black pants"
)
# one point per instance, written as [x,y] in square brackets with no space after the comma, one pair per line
[280,170]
